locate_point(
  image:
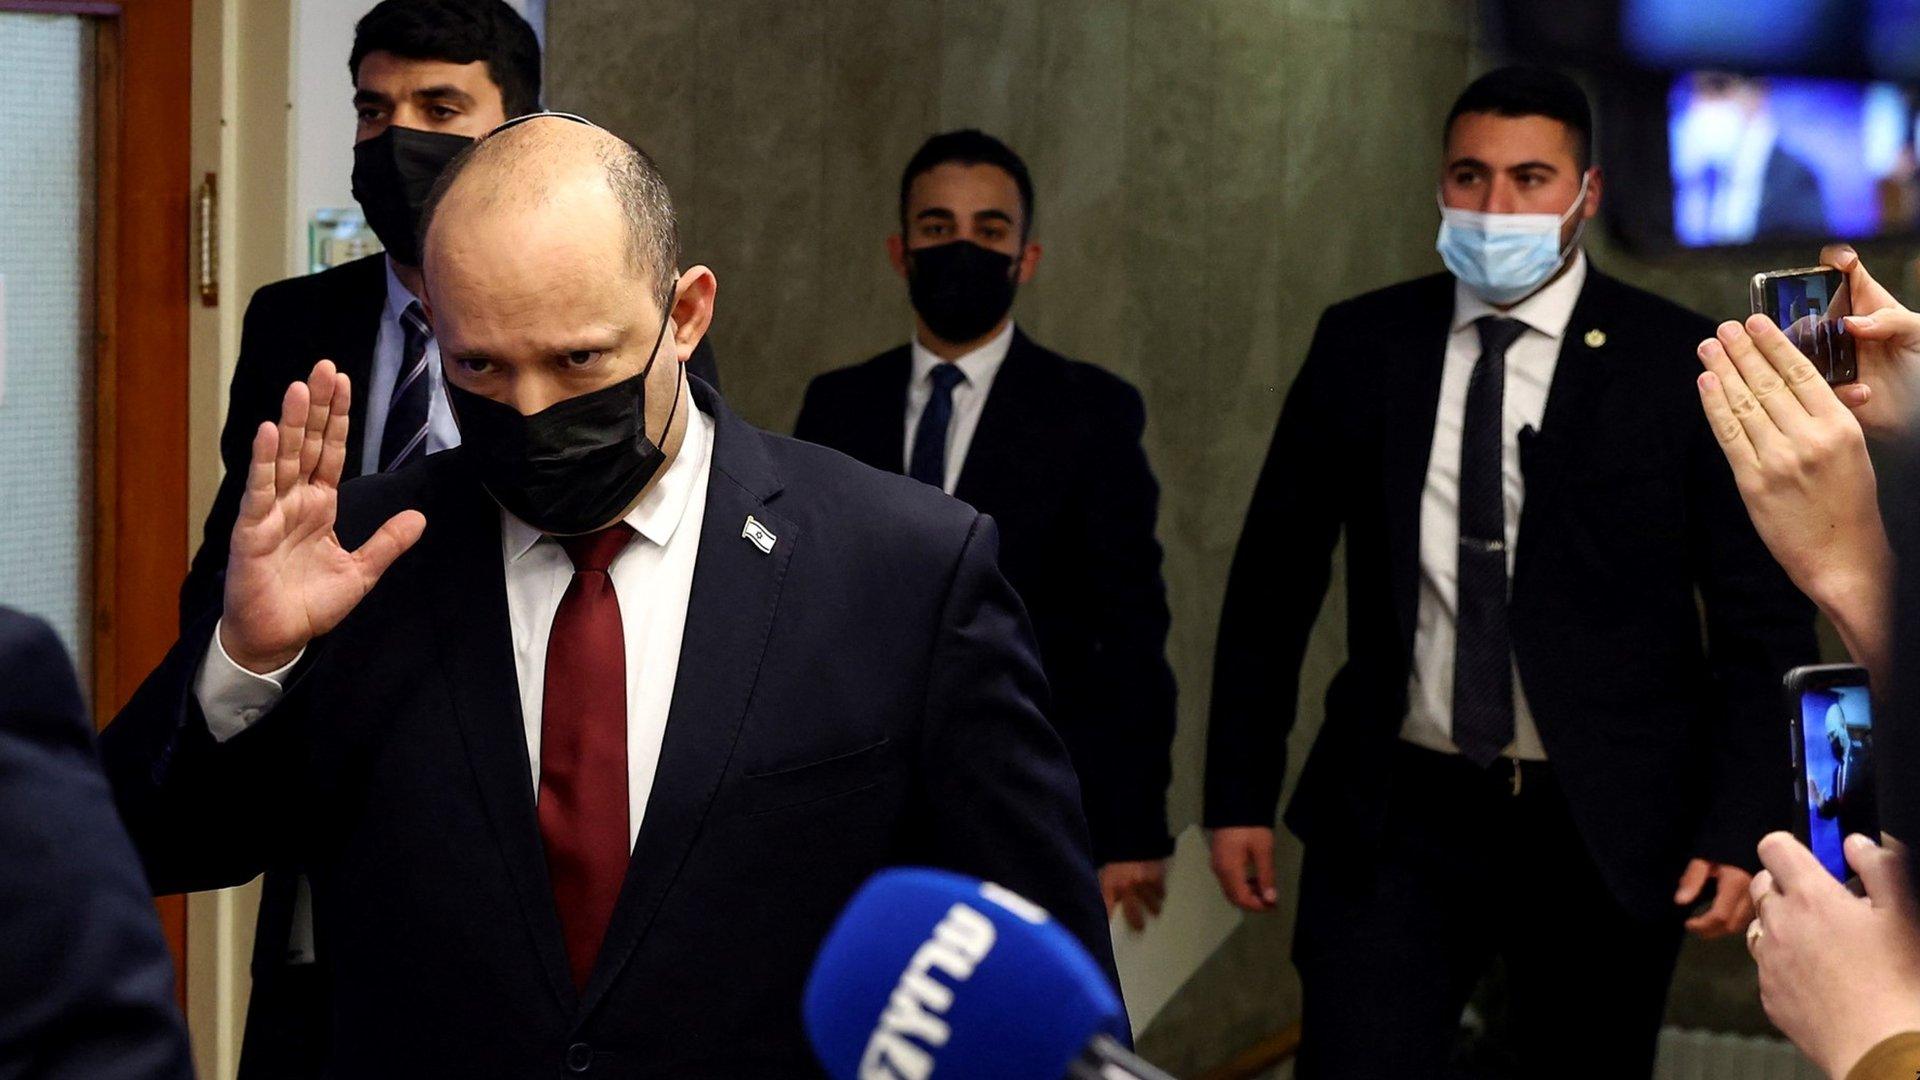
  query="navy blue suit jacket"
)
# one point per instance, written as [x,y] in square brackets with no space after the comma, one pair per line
[86,984]
[866,694]
[1667,741]
[1057,462]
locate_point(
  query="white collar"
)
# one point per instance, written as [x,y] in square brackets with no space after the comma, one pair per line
[659,512]
[979,366]
[1547,311]
[398,295]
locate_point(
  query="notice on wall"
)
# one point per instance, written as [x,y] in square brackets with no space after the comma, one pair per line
[1154,963]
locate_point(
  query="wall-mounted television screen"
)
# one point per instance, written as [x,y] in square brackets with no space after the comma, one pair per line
[1788,158]
[1707,159]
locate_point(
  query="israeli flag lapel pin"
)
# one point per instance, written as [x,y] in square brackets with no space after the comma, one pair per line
[759,535]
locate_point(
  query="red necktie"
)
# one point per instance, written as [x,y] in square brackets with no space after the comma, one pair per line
[583,748]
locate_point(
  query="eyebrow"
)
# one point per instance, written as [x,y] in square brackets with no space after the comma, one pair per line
[993,215]
[443,93]
[1476,163]
[446,93]
[934,212]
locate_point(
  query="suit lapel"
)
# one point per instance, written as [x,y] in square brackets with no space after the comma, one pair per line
[1413,395]
[883,413]
[730,613]
[348,338]
[1587,364]
[471,592]
[996,455]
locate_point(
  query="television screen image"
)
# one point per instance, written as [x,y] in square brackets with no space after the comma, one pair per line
[1790,159]
[1836,725]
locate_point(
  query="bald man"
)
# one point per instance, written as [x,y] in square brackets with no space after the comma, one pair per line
[588,728]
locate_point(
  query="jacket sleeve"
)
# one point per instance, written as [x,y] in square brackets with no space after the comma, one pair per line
[1001,797]
[88,990]
[1758,627]
[254,396]
[202,814]
[1274,591]
[1126,791]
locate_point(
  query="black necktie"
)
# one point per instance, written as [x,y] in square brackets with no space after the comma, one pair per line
[929,461]
[405,437]
[1483,647]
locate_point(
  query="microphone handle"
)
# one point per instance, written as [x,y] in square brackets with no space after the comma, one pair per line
[1105,1059]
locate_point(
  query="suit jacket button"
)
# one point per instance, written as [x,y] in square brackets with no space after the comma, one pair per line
[579,1057]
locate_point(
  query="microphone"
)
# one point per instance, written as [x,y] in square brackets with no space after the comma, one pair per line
[931,975]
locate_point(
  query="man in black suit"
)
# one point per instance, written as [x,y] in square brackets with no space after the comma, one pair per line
[586,729]
[1049,447]
[1531,753]
[429,76]
[88,989]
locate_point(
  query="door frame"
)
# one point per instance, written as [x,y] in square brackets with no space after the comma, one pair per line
[143,72]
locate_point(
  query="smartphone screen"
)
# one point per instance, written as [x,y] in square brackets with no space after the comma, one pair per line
[1809,306]
[1835,742]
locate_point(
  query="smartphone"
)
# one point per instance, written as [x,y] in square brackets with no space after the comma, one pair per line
[1809,304]
[1833,789]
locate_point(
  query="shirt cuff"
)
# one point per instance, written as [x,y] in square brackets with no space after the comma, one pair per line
[230,696]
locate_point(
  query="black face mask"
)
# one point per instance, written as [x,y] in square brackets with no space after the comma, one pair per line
[572,467]
[392,174]
[961,289]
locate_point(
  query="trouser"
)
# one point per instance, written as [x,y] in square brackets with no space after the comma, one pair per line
[1392,941]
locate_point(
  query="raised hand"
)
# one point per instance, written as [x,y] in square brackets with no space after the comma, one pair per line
[1886,338]
[288,579]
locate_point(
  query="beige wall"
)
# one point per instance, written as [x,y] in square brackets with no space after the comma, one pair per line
[239,105]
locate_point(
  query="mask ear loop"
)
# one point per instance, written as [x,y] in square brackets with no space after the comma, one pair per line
[1579,202]
[679,376]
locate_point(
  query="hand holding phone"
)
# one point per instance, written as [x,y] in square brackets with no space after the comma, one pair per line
[1809,304]
[1831,719]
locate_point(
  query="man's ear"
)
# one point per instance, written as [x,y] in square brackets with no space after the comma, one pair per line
[1595,182]
[897,253]
[1029,263]
[693,310]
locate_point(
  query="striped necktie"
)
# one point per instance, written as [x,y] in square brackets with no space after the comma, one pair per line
[405,439]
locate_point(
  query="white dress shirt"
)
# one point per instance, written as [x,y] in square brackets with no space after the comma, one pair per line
[388,346]
[969,397]
[652,577]
[1530,364]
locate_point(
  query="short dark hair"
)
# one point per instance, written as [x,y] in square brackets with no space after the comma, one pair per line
[458,32]
[1526,90]
[969,146]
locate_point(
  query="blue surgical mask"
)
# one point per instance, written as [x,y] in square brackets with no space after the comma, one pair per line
[1504,258]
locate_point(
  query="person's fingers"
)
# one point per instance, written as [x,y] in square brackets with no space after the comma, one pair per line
[1760,886]
[1109,891]
[1131,907]
[1263,874]
[1761,432]
[293,430]
[1883,872]
[1692,880]
[320,390]
[1727,429]
[388,543]
[1154,895]
[1230,870]
[1854,395]
[259,494]
[1865,292]
[333,455]
[1778,364]
[1793,865]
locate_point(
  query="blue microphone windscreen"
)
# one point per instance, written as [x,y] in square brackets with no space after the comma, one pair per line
[930,974]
